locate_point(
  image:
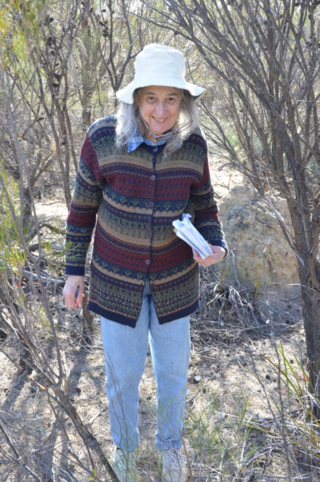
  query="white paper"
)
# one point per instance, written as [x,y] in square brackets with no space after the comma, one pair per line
[188,233]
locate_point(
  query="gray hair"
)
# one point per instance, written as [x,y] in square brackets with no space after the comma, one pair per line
[129,118]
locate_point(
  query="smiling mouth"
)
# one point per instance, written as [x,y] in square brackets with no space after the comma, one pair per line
[159,120]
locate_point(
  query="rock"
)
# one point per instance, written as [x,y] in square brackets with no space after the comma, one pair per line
[254,235]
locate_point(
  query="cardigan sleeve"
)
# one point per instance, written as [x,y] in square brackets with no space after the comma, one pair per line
[206,210]
[85,203]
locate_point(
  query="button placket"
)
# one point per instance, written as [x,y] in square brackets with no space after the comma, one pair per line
[153,178]
[152,203]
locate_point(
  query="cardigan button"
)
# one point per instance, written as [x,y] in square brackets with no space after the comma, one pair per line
[151,204]
[155,149]
[147,262]
[153,177]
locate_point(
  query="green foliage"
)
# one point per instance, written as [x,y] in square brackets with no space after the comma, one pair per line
[12,257]
[220,439]
[94,475]
[236,443]
[21,25]
[301,426]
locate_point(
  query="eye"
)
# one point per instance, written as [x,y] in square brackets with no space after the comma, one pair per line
[151,98]
[171,100]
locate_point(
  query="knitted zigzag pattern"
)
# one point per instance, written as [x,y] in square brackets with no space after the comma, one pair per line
[137,195]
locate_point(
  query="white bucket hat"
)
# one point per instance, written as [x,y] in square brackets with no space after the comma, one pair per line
[159,65]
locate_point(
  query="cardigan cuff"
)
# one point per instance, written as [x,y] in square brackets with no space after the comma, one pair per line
[75,270]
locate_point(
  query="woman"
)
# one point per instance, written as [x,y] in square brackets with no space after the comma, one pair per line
[141,170]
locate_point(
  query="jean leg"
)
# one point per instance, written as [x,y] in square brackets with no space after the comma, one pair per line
[170,351]
[125,351]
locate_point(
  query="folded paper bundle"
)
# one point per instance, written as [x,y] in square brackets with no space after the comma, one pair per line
[186,231]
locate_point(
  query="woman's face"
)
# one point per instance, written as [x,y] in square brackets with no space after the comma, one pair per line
[159,106]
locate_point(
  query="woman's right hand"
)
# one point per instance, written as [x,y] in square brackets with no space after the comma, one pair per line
[73,283]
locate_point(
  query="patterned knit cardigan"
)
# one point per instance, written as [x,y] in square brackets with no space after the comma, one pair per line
[137,195]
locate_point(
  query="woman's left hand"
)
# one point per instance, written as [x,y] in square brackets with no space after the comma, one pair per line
[218,253]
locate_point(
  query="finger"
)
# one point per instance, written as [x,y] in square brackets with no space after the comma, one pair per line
[69,301]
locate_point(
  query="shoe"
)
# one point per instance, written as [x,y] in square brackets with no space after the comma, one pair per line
[125,465]
[174,466]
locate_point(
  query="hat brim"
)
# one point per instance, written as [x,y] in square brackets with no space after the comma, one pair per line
[126,94]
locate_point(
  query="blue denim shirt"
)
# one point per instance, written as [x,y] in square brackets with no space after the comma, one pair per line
[136,140]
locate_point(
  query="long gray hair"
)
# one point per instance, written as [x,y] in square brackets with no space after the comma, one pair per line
[129,118]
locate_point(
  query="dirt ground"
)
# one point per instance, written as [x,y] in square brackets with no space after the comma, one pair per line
[229,372]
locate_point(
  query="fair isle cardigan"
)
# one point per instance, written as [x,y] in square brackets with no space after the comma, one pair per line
[135,196]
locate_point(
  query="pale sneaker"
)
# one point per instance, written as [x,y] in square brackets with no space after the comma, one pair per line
[174,466]
[125,465]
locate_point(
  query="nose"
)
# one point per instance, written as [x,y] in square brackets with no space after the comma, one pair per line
[161,108]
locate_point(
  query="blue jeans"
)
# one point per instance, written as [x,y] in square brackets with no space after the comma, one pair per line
[125,351]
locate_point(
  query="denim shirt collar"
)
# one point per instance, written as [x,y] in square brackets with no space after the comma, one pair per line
[136,140]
